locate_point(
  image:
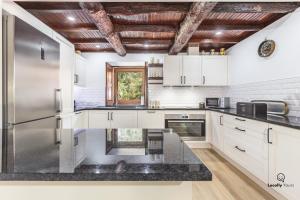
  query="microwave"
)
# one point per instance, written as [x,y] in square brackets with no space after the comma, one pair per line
[222,102]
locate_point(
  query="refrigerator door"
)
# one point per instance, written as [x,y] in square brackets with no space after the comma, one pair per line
[34,146]
[32,73]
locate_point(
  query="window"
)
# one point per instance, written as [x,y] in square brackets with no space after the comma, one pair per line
[125,86]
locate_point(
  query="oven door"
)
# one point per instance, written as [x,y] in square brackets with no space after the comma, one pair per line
[188,129]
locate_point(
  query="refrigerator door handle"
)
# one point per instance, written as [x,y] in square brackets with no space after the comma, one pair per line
[58,131]
[58,100]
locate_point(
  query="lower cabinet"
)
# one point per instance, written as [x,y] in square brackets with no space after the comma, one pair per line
[284,161]
[151,119]
[217,130]
[113,119]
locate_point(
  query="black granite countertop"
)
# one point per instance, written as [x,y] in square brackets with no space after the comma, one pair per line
[132,108]
[287,121]
[102,155]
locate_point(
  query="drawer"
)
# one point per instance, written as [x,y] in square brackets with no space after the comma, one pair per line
[244,124]
[249,152]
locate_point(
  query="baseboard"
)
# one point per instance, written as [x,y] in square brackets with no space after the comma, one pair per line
[261,184]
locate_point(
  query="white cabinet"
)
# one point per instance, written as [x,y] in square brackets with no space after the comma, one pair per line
[80,71]
[99,119]
[172,71]
[123,119]
[217,130]
[79,146]
[80,120]
[150,119]
[214,70]
[67,64]
[284,158]
[191,70]
[194,70]
[113,119]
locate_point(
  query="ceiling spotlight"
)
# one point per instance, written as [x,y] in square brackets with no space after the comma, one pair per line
[146,45]
[97,46]
[70,18]
[219,33]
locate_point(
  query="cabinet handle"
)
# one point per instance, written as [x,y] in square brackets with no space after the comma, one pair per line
[242,130]
[242,120]
[268,135]
[108,116]
[221,120]
[184,79]
[238,148]
[111,116]
[150,111]
[203,79]
[180,79]
[58,131]
[77,113]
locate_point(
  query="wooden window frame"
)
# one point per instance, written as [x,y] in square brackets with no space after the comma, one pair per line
[115,70]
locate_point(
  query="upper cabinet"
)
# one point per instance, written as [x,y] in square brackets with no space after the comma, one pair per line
[214,70]
[172,71]
[191,70]
[195,70]
[80,71]
[182,71]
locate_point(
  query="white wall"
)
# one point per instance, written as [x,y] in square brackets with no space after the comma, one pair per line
[94,93]
[245,66]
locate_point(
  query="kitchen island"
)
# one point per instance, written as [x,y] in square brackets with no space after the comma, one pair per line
[153,160]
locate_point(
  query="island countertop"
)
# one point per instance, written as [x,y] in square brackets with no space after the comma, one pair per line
[105,155]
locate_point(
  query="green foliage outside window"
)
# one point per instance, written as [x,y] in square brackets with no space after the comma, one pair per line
[130,85]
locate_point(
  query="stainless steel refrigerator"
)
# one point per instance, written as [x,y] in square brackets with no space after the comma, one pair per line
[32,98]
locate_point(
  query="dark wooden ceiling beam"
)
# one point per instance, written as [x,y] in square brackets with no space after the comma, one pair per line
[156,41]
[124,8]
[256,7]
[197,13]
[156,28]
[100,18]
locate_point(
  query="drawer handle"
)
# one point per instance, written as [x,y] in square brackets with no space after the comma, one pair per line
[242,130]
[238,148]
[242,120]
[151,111]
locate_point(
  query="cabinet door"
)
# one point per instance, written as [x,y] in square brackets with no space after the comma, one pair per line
[150,119]
[191,70]
[99,119]
[214,70]
[80,120]
[216,130]
[284,158]
[80,70]
[67,63]
[123,119]
[172,70]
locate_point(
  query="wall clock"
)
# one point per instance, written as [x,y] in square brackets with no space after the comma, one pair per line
[266,48]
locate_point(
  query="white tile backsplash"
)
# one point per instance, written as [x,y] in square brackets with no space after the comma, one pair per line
[287,90]
[183,96]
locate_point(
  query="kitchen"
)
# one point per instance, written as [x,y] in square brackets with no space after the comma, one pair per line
[139,85]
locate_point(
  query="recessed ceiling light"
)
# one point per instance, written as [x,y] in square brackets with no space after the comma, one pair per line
[219,33]
[146,45]
[70,18]
[97,46]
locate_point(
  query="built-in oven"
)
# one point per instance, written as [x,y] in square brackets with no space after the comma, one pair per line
[187,126]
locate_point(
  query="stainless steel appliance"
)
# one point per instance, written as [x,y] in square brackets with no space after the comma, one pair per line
[222,102]
[275,107]
[31,96]
[252,109]
[187,126]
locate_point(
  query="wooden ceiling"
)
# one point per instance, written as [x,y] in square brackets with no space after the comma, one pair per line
[131,27]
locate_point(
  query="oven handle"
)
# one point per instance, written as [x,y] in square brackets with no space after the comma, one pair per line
[202,121]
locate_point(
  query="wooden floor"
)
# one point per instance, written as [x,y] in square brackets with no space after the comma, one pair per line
[228,182]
